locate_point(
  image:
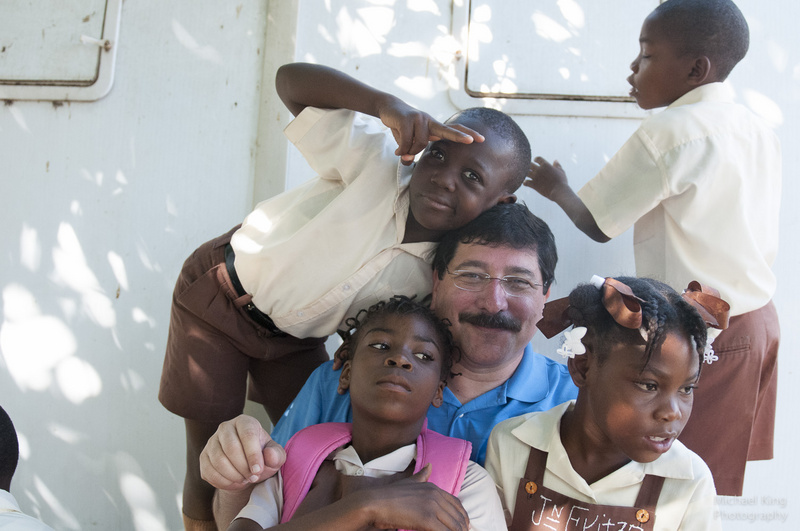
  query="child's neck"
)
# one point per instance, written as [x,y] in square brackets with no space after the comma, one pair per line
[417,233]
[373,439]
[590,454]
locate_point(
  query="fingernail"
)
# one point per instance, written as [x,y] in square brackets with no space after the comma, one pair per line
[256,469]
[253,479]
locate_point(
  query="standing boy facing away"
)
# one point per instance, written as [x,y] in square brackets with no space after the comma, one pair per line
[384,470]
[701,184]
[261,299]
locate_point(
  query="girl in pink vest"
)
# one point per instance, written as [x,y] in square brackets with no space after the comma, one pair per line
[386,470]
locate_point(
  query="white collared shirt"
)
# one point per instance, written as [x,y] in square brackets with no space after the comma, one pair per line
[687,501]
[478,493]
[316,254]
[13,519]
[701,184]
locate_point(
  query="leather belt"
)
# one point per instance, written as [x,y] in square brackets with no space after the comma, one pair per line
[254,313]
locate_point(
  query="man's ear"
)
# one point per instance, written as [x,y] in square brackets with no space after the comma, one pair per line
[700,73]
[438,398]
[434,289]
[506,199]
[344,378]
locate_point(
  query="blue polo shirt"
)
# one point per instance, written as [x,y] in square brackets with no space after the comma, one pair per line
[538,384]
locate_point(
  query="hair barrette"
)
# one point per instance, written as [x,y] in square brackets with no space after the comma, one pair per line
[714,311]
[619,301]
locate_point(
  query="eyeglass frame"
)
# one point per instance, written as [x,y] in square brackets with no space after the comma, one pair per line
[504,282]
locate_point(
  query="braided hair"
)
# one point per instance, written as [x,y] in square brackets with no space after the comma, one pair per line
[663,311]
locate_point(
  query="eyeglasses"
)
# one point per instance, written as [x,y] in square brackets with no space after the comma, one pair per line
[475,281]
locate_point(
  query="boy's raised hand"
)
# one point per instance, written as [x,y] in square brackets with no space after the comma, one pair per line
[550,180]
[413,129]
[547,179]
[239,454]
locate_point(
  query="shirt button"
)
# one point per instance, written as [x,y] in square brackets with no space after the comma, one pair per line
[359,472]
[461,415]
[299,314]
[346,287]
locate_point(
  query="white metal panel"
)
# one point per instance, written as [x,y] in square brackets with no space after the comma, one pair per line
[550,57]
[53,50]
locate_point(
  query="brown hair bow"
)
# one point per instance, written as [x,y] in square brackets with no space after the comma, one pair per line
[625,307]
[714,311]
[618,299]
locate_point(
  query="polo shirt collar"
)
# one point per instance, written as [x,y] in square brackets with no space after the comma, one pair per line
[529,383]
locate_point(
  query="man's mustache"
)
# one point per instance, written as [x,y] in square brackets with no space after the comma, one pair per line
[500,321]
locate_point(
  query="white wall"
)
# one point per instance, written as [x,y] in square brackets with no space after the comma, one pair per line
[101,202]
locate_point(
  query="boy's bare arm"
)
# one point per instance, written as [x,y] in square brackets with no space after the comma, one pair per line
[550,181]
[302,85]
[410,503]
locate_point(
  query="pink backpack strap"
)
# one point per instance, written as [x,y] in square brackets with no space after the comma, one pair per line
[448,455]
[305,452]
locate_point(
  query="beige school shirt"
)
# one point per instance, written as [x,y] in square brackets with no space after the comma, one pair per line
[316,254]
[701,184]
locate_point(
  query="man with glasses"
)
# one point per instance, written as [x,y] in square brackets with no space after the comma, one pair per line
[491,279]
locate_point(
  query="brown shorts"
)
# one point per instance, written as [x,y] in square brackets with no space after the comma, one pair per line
[213,345]
[733,418]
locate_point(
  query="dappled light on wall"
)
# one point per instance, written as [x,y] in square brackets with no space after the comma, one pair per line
[73,271]
[32,344]
[203,52]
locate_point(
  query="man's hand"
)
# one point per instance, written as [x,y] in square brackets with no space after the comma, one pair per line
[240,453]
[413,129]
[547,179]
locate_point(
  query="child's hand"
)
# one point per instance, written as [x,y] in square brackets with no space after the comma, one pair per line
[547,179]
[413,129]
[413,503]
[240,453]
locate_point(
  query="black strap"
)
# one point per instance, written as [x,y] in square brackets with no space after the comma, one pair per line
[254,313]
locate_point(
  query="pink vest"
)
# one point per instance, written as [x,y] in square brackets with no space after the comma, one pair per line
[309,447]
